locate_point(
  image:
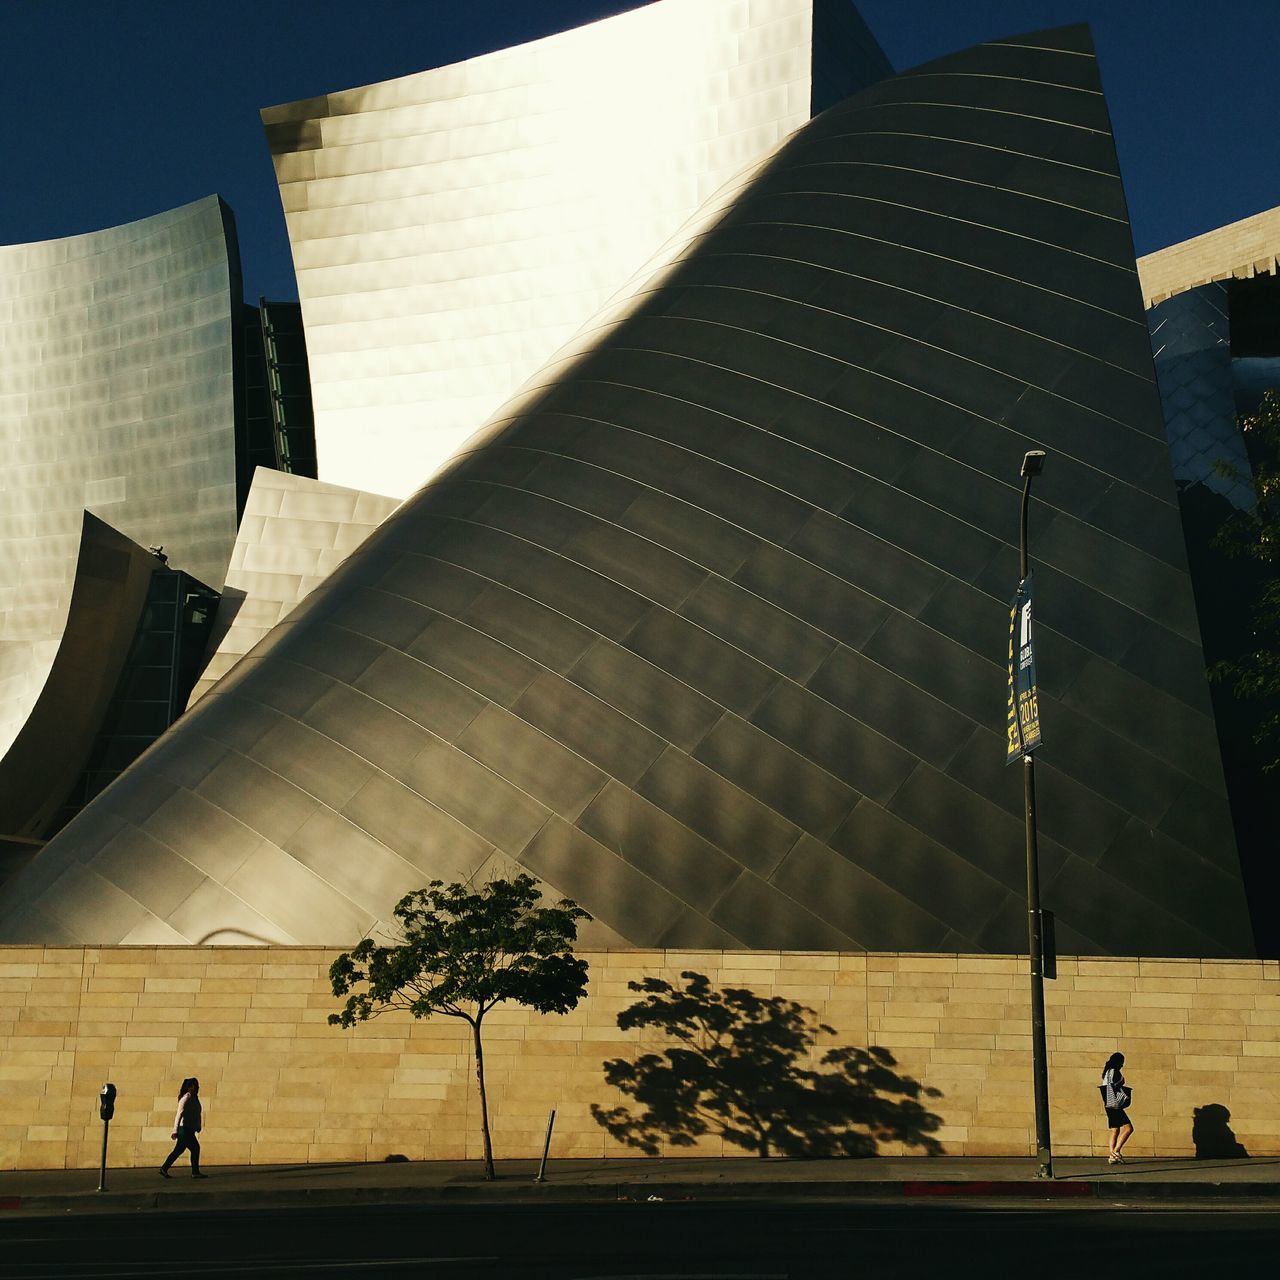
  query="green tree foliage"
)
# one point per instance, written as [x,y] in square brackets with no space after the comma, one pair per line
[741,1070]
[1254,676]
[461,952]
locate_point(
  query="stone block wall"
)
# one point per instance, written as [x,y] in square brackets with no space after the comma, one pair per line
[1242,249]
[280,1085]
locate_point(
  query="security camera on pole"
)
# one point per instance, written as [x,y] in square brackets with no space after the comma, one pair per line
[1023,725]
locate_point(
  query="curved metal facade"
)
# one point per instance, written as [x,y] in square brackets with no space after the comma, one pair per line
[294,532]
[707,628]
[109,591]
[1217,349]
[1191,343]
[116,396]
[452,229]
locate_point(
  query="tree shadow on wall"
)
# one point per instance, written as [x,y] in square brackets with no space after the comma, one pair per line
[739,1072]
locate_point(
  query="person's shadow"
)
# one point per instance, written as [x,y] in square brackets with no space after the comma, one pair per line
[743,1069]
[1212,1136]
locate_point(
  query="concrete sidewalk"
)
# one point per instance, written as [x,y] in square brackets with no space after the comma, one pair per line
[593,1181]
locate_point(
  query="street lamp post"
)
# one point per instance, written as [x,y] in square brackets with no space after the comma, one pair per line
[1032,465]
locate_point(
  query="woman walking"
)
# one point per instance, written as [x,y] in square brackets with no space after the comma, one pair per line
[186,1124]
[1116,1097]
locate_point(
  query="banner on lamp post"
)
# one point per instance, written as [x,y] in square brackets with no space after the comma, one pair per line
[1023,711]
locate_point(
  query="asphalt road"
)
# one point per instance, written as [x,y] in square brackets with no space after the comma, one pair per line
[660,1239]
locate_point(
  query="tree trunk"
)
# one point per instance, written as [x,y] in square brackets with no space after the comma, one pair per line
[489,1173]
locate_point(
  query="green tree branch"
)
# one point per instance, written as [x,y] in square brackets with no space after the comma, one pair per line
[461,953]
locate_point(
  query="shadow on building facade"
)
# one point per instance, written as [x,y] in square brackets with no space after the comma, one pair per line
[745,1069]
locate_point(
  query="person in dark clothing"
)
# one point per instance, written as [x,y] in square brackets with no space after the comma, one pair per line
[1116,1097]
[186,1124]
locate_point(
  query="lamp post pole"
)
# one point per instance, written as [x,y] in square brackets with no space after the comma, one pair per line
[1032,464]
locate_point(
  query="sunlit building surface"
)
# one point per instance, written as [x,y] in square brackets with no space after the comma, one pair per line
[113,577]
[138,394]
[117,398]
[706,627]
[295,531]
[451,229]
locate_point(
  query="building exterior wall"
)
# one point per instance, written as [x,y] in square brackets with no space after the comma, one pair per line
[1191,344]
[451,229]
[1198,336]
[281,1086]
[116,396]
[707,628]
[294,532]
[112,579]
[1243,249]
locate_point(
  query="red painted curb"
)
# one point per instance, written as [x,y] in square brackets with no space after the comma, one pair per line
[1036,1190]
[10,1202]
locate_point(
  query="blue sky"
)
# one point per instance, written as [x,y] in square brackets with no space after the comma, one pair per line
[114,111]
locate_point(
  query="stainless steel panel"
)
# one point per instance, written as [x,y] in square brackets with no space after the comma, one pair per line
[849,899]
[536,763]
[495,809]
[758,910]
[920,869]
[584,870]
[163,878]
[279,807]
[85,905]
[659,845]
[312,761]
[598,732]
[205,835]
[453,228]
[671,772]
[786,781]
[646,693]
[747,829]
[423,834]
[420,692]
[702,660]
[475,660]
[127,410]
[354,863]
[213,916]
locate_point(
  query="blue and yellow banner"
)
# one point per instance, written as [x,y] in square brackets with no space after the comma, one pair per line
[1023,712]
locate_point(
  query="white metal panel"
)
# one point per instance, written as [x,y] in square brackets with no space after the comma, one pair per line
[455,227]
[116,364]
[295,532]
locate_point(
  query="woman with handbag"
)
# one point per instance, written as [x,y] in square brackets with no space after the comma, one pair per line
[1116,1097]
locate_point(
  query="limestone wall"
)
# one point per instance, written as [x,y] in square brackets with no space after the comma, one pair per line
[280,1085]
[1242,249]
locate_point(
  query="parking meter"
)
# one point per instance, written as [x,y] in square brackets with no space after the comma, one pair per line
[106,1109]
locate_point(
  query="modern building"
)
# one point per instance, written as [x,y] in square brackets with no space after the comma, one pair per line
[1214,311]
[119,399]
[705,627]
[138,394]
[293,534]
[452,229]
[117,430]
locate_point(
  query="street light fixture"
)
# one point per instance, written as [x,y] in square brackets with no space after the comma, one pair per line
[1032,466]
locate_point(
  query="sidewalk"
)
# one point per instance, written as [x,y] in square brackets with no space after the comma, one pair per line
[1078,1179]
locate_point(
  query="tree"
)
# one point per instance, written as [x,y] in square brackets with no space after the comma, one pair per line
[738,1072]
[461,953]
[1254,675]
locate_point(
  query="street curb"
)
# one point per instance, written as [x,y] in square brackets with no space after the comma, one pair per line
[526,1193]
